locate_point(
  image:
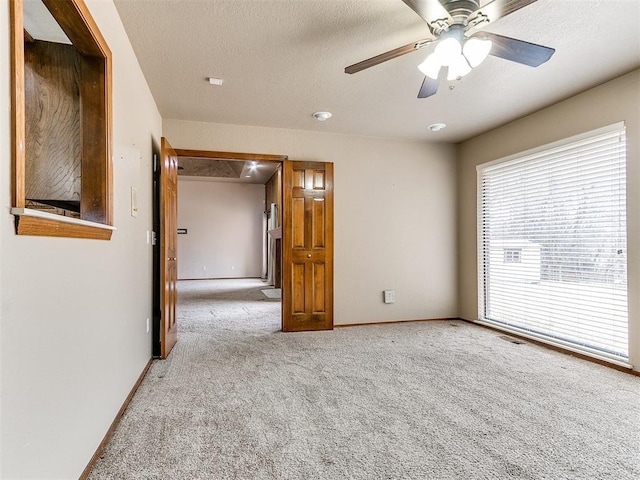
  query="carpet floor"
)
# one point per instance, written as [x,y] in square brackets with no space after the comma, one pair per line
[237,399]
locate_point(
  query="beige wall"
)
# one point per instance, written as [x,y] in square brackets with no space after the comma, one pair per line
[73,312]
[615,101]
[394,214]
[224,225]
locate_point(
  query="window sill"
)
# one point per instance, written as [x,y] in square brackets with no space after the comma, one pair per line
[35,222]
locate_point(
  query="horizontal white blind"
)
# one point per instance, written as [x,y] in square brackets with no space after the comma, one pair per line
[552,243]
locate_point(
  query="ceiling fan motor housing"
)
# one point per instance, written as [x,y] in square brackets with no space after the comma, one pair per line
[461,9]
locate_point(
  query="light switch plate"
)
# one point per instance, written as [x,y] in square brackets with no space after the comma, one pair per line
[134,202]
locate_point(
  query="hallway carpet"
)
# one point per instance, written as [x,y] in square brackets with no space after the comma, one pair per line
[435,400]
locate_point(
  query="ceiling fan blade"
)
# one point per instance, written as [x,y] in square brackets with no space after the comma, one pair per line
[383,57]
[517,50]
[431,11]
[495,10]
[430,86]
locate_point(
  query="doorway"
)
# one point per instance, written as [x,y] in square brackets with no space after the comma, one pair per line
[297,229]
[223,247]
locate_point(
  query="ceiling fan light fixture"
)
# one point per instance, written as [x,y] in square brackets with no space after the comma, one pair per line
[448,50]
[431,66]
[458,68]
[322,116]
[476,50]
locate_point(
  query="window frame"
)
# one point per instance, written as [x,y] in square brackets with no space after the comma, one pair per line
[96,124]
[484,282]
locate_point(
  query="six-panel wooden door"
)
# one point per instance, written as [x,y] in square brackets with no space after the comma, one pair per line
[307,256]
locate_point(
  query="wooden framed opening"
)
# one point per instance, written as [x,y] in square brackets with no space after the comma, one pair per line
[61,124]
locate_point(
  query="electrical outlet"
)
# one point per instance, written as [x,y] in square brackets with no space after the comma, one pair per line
[147,325]
[389,296]
[204,268]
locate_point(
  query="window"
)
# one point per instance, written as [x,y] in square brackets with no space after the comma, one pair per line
[61,104]
[552,243]
[512,255]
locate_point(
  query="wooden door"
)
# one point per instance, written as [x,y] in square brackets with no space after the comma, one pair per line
[307,248]
[168,247]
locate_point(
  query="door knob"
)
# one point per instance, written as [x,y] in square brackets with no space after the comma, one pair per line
[308,255]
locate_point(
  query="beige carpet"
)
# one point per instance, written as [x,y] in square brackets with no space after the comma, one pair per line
[438,400]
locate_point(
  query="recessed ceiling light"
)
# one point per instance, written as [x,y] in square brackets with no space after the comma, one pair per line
[215,81]
[436,127]
[321,116]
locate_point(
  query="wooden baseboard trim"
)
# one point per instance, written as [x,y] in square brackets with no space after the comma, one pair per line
[556,348]
[393,322]
[220,278]
[114,424]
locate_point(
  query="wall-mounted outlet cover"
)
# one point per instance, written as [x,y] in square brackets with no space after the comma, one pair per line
[389,296]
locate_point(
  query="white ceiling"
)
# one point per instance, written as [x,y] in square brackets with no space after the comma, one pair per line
[281,60]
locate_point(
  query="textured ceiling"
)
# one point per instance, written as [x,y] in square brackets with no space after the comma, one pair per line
[281,60]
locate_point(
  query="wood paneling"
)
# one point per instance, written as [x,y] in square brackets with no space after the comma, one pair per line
[318,220]
[208,167]
[298,178]
[298,224]
[318,180]
[298,281]
[319,280]
[52,120]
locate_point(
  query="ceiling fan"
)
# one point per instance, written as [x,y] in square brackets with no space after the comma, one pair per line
[461,45]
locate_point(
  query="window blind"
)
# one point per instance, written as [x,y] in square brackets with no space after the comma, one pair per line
[552,246]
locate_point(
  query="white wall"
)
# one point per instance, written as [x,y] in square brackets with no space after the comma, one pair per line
[615,101]
[224,225]
[73,312]
[394,208]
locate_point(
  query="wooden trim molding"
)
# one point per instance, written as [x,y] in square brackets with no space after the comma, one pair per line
[17,103]
[36,222]
[394,322]
[77,23]
[114,424]
[258,157]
